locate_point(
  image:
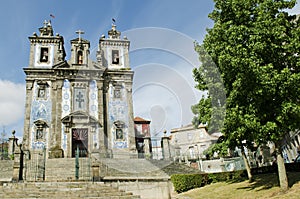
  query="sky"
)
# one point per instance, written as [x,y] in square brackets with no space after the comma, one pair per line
[161,32]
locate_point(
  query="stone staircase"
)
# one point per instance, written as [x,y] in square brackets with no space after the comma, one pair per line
[130,168]
[142,168]
[69,190]
[63,169]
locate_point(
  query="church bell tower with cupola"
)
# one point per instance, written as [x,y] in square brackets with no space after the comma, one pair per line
[46,52]
[113,53]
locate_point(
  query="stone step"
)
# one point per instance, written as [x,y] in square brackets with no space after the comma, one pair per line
[63,190]
[63,169]
[130,168]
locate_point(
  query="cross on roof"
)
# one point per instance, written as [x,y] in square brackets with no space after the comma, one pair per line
[45,23]
[79,32]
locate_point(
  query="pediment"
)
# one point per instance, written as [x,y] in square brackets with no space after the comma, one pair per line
[80,117]
[40,123]
[62,64]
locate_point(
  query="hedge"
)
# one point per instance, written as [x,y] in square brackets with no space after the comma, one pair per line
[185,182]
[226,176]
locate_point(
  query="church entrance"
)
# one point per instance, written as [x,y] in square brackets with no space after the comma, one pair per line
[80,141]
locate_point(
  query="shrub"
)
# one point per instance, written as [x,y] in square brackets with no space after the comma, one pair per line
[226,176]
[185,182]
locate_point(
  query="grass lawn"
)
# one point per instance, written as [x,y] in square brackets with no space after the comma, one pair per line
[264,186]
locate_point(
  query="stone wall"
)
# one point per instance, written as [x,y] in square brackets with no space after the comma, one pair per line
[147,189]
[222,165]
[6,170]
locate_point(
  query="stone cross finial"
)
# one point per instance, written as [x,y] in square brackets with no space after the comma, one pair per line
[79,32]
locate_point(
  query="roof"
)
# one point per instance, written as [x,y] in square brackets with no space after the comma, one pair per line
[187,128]
[141,120]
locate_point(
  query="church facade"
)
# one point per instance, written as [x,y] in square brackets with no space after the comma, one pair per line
[80,103]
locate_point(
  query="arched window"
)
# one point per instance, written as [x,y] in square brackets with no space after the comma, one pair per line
[79,57]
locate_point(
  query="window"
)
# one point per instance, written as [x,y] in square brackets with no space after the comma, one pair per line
[41,93]
[189,136]
[117,91]
[115,57]
[192,152]
[44,55]
[201,134]
[119,134]
[80,57]
[119,126]
[41,90]
[40,130]
[39,135]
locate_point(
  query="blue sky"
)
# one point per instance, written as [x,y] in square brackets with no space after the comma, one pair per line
[161,34]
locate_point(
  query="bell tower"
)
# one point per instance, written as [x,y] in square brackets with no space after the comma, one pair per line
[80,51]
[46,50]
[113,54]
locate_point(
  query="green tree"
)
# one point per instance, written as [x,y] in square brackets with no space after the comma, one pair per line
[254,44]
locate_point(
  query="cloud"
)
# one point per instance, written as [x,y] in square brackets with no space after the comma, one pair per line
[163,86]
[12,101]
[296,9]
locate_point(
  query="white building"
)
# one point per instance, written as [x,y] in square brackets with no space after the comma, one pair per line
[190,142]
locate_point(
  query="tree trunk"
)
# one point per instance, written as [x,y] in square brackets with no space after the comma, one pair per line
[283,180]
[247,165]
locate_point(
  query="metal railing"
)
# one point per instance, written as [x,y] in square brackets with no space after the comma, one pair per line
[35,166]
[82,165]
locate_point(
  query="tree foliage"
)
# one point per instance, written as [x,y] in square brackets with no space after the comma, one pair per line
[254,44]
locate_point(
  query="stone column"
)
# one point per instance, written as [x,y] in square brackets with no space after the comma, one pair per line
[102,117]
[131,133]
[166,147]
[55,130]
[95,165]
[27,132]
[18,164]
[58,114]
[147,147]
[11,143]
[52,128]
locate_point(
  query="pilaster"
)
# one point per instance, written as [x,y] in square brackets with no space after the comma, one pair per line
[26,135]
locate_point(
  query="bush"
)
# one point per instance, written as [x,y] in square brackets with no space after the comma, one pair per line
[226,176]
[185,182]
